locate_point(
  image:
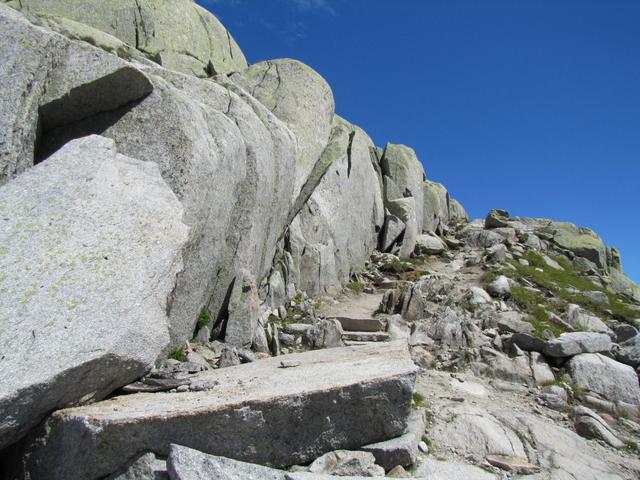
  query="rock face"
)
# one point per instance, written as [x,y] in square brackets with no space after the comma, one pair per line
[574,343]
[336,229]
[178,34]
[403,177]
[115,226]
[344,463]
[266,414]
[244,311]
[303,100]
[612,380]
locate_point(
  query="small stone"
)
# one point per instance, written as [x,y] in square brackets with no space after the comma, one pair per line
[424,448]
[512,464]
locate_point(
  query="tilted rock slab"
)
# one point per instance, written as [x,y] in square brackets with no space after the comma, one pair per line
[178,34]
[337,228]
[612,380]
[333,399]
[90,245]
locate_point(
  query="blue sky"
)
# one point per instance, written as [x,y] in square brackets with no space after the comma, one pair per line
[532,106]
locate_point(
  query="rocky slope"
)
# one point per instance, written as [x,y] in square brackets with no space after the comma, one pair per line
[171,217]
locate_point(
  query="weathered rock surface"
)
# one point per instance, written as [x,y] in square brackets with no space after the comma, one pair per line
[497,219]
[244,311]
[336,230]
[574,343]
[266,414]
[590,425]
[402,450]
[629,352]
[177,34]
[427,244]
[99,255]
[436,207]
[146,467]
[403,176]
[345,463]
[302,99]
[612,380]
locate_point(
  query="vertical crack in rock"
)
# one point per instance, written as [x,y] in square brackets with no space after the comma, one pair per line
[349,147]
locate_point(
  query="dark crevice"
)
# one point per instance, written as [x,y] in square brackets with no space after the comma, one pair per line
[349,159]
[87,109]
[49,142]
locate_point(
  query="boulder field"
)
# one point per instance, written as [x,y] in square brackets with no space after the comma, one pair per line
[204,270]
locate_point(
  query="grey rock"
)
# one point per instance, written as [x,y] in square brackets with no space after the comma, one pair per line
[335,232]
[500,287]
[403,177]
[574,343]
[48,81]
[590,425]
[625,332]
[427,244]
[204,335]
[405,210]
[478,296]
[497,218]
[393,229]
[629,352]
[578,318]
[434,469]
[540,369]
[233,224]
[146,467]
[550,262]
[327,334]
[611,380]
[402,450]
[597,297]
[477,236]
[583,242]
[188,464]
[179,34]
[457,213]
[244,311]
[497,253]
[527,342]
[513,464]
[229,357]
[302,99]
[436,207]
[101,257]
[344,463]
[512,322]
[267,414]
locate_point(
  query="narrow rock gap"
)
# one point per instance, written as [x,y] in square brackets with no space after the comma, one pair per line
[349,147]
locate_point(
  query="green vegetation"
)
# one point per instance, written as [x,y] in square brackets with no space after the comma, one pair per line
[397,266]
[417,400]
[566,284]
[427,440]
[204,317]
[631,447]
[355,286]
[298,298]
[178,354]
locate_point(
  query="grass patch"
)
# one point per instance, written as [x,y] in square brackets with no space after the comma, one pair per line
[204,317]
[631,447]
[298,298]
[178,354]
[427,441]
[417,400]
[397,266]
[563,284]
[355,286]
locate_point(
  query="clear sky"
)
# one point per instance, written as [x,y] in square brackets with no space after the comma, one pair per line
[528,105]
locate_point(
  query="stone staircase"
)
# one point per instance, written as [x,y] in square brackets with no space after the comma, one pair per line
[356,314]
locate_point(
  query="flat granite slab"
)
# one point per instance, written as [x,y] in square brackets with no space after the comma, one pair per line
[280,411]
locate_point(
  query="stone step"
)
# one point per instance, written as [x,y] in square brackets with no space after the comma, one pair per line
[280,411]
[350,324]
[365,336]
